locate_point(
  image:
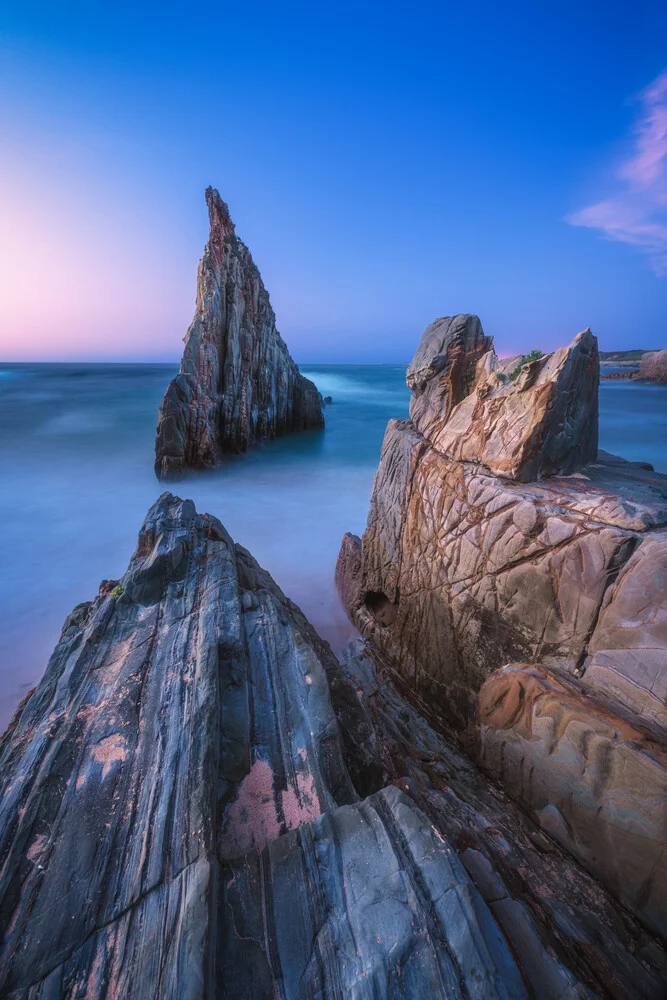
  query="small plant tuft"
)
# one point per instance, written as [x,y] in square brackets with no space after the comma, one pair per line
[525,360]
[117,591]
[469,378]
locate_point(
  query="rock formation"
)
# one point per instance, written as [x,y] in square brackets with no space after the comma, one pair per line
[198,801]
[177,820]
[522,421]
[653,367]
[237,383]
[570,937]
[466,567]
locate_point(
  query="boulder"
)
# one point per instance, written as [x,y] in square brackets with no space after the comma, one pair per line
[523,419]
[177,819]
[460,572]
[237,383]
[465,567]
[570,936]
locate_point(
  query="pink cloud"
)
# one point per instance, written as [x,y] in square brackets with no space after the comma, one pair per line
[637,212]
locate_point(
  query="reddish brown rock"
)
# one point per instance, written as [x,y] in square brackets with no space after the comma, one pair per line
[522,423]
[471,572]
[237,383]
[569,934]
[462,570]
[653,367]
[594,779]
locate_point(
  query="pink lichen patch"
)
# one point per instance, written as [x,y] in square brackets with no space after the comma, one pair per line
[252,819]
[94,979]
[86,713]
[301,805]
[110,750]
[37,848]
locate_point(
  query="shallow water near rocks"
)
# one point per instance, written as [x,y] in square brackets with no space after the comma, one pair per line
[76,480]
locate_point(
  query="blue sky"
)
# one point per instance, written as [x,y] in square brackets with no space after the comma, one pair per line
[386,164]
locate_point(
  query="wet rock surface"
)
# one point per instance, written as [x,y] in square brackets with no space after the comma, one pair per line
[237,384]
[462,570]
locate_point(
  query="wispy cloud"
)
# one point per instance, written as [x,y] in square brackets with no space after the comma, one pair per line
[637,212]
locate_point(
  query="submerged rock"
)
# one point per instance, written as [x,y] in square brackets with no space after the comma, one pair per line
[237,383]
[462,570]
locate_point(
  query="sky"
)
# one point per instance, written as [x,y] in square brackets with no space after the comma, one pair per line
[386,163]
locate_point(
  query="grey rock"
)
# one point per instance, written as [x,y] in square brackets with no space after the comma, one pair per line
[237,383]
[570,936]
[177,819]
[177,724]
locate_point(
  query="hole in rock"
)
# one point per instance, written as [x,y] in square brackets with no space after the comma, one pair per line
[383,610]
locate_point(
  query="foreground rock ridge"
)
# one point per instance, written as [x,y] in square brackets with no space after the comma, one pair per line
[199,801]
[237,383]
[518,586]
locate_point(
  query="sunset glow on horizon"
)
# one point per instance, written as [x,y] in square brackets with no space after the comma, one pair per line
[372,201]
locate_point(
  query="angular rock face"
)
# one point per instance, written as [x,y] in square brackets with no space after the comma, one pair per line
[184,718]
[198,801]
[521,423]
[461,571]
[569,935]
[177,820]
[653,367]
[237,383]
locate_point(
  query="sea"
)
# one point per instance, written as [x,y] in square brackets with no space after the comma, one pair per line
[76,480]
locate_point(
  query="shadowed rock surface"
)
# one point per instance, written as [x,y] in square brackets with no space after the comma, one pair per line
[237,383]
[567,932]
[461,571]
[184,814]
[160,741]
[177,819]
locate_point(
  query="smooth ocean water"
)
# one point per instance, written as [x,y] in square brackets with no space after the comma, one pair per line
[76,479]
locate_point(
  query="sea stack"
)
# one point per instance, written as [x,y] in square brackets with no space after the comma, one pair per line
[237,383]
[515,579]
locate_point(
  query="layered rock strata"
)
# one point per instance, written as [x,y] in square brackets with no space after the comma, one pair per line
[569,935]
[462,570]
[237,383]
[594,778]
[521,418]
[177,819]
